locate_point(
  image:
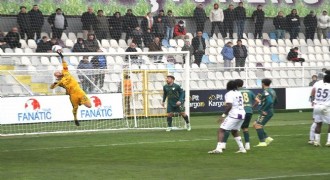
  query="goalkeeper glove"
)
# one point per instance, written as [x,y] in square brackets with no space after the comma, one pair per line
[60,53]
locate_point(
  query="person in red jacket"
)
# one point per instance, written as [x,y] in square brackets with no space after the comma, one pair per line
[179,30]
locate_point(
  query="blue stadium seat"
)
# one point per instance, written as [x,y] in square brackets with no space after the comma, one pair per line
[272,35]
[165,43]
[275,58]
[206,36]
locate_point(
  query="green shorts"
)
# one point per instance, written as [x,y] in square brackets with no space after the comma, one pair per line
[246,123]
[262,119]
[175,109]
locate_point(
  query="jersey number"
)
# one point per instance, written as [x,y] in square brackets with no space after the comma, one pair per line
[246,97]
[323,94]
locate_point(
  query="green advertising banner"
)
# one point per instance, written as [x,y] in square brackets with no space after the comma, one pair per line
[179,7]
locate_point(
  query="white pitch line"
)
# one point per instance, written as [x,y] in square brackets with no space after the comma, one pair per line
[288,176]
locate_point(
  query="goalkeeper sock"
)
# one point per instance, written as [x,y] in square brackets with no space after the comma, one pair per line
[225,136]
[246,136]
[169,121]
[186,118]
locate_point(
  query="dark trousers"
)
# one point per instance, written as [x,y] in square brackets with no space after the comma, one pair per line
[200,26]
[57,33]
[220,26]
[198,57]
[240,28]
[37,31]
[99,79]
[101,34]
[129,34]
[229,27]
[294,31]
[240,64]
[28,33]
[127,102]
[310,32]
[258,30]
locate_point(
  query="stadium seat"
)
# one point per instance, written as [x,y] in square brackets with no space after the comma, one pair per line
[122,43]
[251,50]
[74,60]
[288,43]
[317,42]
[235,75]
[299,82]
[121,50]
[202,85]
[69,43]
[326,57]
[252,83]
[310,42]
[227,75]
[213,51]
[275,58]
[325,49]
[173,43]
[23,43]
[284,83]
[259,43]
[282,50]
[250,36]
[265,36]
[301,36]
[310,50]
[219,75]
[318,50]
[194,76]
[193,85]
[275,74]
[266,50]
[259,58]
[283,74]
[28,50]
[273,42]
[251,42]
[219,84]
[113,43]
[302,42]
[105,43]
[32,44]
[18,50]
[281,42]
[64,37]
[213,43]
[311,57]
[319,57]
[54,61]
[210,84]
[252,75]
[220,43]
[72,36]
[324,42]
[295,43]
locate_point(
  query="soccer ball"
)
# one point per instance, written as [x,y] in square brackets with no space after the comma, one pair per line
[55,48]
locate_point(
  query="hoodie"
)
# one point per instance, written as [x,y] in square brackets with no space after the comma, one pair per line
[227,53]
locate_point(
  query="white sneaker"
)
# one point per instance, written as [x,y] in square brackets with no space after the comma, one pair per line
[188,127]
[269,140]
[241,150]
[311,142]
[327,144]
[316,144]
[168,129]
[247,146]
[215,151]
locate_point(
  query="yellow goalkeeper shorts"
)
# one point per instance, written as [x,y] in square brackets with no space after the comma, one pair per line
[78,98]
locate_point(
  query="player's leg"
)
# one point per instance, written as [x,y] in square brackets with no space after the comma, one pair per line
[75,104]
[184,116]
[317,113]
[245,128]
[235,132]
[169,121]
[260,131]
[218,148]
[312,133]
[85,100]
[328,141]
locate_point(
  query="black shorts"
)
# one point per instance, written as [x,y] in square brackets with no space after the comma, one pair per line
[246,123]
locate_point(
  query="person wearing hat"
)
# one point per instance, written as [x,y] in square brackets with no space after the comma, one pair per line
[323,22]
[293,55]
[310,22]
[175,101]
[179,30]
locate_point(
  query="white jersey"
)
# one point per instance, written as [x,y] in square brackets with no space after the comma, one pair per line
[235,98]
[322,94]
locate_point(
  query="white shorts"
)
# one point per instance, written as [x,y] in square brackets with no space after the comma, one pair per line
[321,113]
[231,123]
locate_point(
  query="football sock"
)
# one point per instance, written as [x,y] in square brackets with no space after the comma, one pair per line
[317,138]
[219,146]
[261,133]
[265,134]
[328,137]
[246,136]
[169,121]
[239,142]
[225,136]
[186,119]
[312,132]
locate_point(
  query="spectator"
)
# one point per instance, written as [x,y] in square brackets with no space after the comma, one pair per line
[159,28]
[55,41]
[130,22]
[131,48]
[79,46]
[99,62]
[88,20]
[3,43]
[323,22]
[179,30]
[198,44]
[115,26]
[91,43]
[86,77]
[12,38]
[148,37]
[310,22]
[200,17]
[23,21]
[240,54]
[229,18]
[293,56]
[240,17]
[280,25]
[314,80]
[102,26]
[36,20]
[58,23]
[293,23]
[160,15]
[137,36]
[187,47]
[216,19]
[147,22]
[258,17]
[156,46]
[228,54]
[44,45]
[170,24]
[127,93]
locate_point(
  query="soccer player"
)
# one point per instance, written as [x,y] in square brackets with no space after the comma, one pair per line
[268,98]
[232,119]
[321,110]
[249,101]
[175,102]
[69,83]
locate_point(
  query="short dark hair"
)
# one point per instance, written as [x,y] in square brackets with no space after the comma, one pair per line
[58,9]
[22,7]
[266,82]
[326,78]
[239,82]
[231,85]
[169,11]
[99,11]
[238,41]
[127,76]
[170,76]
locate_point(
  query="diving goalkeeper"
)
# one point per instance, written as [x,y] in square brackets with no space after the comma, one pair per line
[72,87]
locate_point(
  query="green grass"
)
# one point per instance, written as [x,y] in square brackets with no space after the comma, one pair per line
[141,154]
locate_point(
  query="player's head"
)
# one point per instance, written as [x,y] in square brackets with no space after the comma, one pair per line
[239,83]
[170,79]
[326,78]
[266,82]
[58,75]
[231,85]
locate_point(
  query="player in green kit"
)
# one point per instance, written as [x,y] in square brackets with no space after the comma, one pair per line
[175,102]
[249,101]
[268,98]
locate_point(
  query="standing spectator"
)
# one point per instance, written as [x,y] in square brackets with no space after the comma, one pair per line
[240,54]
[293,24]
[216,19]
[127,93]
[159,28]
[132,48]
[58,23]
[147,22]
[314,80]
[310,22]
[3,43]
[23,21]
[170,19]
[162,16]
[293,56]
[258,17]
[156,46]
[148,37]
[44,45]
[91,43]
[86,77]
[102,26]
[137,36]
[200,17]
[79,46]
[240,17]
[130,22]
[179,30]
[229,18]
[323,22]
[199,46]
[36,20]
[88,20]
[12,38]
[280,25]
[115,26]
[228,54]
[187,47]
[99,62]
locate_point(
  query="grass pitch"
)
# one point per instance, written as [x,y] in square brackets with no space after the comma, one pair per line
[140,154]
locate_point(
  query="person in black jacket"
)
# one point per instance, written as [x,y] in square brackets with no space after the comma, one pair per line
[198,44]
[240,17]
[44,45]
[79,46]
[115,26]
[12,38]
[258,17]
[280,25]
[310,22]
[130,22]
[200,17]
[147,22]
[240,54]
[148,37]
[293,56]
[229,18]
[23,21]
[3,43]
[88,20]
[58,23]
[131,48]
[36,20]
[293,24]
[159,28]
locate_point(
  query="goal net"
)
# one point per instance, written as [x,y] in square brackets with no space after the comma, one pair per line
[128,94]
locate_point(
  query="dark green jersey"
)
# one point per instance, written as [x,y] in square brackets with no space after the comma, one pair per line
[248,100]
[268,99]
[173,93]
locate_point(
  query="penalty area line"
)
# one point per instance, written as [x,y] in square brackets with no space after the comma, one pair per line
[288,176]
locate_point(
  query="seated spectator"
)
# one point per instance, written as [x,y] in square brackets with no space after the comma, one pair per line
[99,62]
[148,37]
[86,77]
[91,43]
[137,36]
[293,55]
[44,45]
[3,43]
[12,38]
[79,46]
[314,80]
[179,30]
[154,47]
[134,58]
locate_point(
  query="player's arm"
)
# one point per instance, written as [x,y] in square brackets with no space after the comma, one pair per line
[255,99]
[312,96]
[181,95]
[228,108]
[54,85]
[164,96]
[64,64]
